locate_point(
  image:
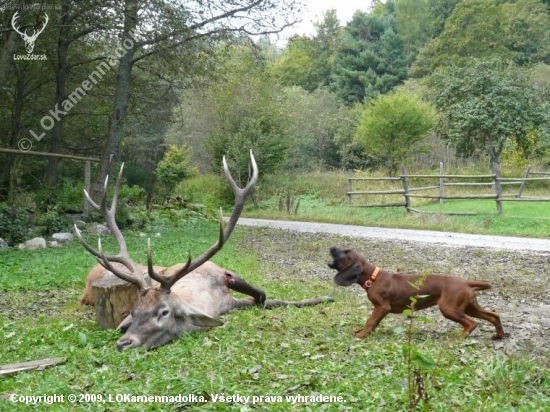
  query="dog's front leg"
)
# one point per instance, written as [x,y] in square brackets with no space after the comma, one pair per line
[374,319]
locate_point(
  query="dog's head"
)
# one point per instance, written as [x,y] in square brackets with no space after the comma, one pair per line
[349,265]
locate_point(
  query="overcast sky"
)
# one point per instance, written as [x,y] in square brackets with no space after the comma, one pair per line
[316,8]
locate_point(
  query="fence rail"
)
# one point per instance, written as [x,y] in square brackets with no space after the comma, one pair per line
[87,166]
[494,180]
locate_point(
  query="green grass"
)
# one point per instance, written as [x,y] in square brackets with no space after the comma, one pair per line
[280,352]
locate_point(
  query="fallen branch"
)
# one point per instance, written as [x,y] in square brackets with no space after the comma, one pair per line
[39,365]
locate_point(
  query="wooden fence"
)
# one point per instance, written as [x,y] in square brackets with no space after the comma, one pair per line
[494,181]
[86,160]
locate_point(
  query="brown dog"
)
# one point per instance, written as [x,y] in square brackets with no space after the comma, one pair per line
[391,293]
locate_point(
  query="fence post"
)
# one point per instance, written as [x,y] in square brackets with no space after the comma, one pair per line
[441,183]
[87,185]
[350,186]
[406,189]
[525,176]
[498,187]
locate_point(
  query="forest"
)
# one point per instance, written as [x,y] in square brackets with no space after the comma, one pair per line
[170,87]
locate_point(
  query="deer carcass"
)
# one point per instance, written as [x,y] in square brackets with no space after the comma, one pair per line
[184,297]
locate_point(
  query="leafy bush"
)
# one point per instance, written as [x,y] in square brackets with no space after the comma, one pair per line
[209,190]
[14,224]
[52,221]
[391,125]
[132,195]
[66,196]
[175,167]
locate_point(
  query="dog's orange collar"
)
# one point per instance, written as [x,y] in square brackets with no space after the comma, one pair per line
[372,278]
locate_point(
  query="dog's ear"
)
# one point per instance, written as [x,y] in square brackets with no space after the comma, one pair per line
[349,275]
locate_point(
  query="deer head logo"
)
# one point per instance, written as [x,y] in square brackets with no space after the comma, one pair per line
[29,40]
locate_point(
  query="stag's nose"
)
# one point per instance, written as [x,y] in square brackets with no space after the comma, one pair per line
[126,343]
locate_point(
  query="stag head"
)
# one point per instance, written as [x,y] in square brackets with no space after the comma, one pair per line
[160,315]
[29,40]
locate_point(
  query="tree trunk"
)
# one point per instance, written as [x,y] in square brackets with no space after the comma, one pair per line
[122,96]
[6,55]
[493,155]
[60,94]
[6,167]
[7,140]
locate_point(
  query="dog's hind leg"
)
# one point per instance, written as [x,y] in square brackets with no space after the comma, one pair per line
[477,312]
[459,316]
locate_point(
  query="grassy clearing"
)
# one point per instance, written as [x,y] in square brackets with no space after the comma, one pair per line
[279,352]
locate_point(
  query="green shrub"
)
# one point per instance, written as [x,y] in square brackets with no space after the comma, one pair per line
[209,190]
[175,167]
[14,224]
[52,221]
[65,196]
[132,195]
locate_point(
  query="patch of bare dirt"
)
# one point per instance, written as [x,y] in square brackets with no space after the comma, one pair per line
[520,280]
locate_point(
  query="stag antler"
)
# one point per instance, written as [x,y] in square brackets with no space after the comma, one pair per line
[135,276]
[179,271]
[29,40]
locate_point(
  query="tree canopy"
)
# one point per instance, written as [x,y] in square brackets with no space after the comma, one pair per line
[485,105]
[369,58]
[518,31]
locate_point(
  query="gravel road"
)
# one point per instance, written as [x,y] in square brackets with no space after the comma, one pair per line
[423,236]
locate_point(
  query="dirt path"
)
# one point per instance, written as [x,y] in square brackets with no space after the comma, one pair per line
[520,277]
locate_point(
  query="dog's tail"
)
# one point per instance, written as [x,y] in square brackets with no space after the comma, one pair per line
[478,285]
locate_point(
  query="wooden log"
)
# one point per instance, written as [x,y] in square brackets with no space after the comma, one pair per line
[37,365]
[528,199]
[418,189]
[48,154]
[406,189]
[381,205]
[527,179]
[454,176]
[375,178]
[378,192]
[350,187]
[456,196]
[498,187]
[441,183]
[113,299]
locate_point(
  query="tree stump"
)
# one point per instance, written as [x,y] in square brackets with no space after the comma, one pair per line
[113,299]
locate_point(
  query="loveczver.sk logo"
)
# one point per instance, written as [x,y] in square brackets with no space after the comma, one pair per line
[29,40]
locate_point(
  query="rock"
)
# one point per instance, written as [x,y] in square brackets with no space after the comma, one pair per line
[80,224]
[3,244]
[33,244]
[99,229]
[63,237]
[54,243]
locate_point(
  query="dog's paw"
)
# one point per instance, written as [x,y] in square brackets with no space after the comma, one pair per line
[360,334]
